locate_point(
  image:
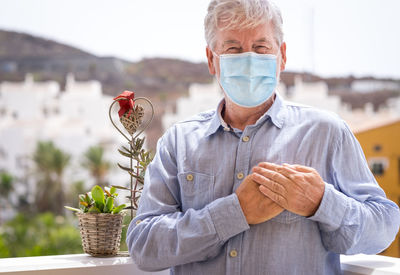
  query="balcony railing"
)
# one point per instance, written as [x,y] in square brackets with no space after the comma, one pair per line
[83,264]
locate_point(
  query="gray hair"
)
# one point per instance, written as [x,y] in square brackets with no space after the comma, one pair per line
[241,14]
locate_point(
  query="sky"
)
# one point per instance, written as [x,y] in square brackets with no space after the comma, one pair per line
[326,37]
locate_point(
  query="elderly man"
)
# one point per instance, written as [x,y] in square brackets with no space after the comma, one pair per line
[258,186]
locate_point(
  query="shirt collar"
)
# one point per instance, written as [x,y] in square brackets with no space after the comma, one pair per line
[277,113]
[217,120]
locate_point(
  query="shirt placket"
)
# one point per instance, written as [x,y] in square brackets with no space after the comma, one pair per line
[234,253]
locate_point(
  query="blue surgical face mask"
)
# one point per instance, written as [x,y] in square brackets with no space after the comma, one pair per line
[248,79]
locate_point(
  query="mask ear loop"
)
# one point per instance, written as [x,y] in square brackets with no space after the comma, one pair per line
[214,53]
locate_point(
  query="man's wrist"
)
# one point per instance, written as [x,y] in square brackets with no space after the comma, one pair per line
[331,209]
[228,217]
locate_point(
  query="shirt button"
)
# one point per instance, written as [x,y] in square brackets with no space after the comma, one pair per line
[189,177]
[246,139]
[233,253]
[240,175]
[138,221]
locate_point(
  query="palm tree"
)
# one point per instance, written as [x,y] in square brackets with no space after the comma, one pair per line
[51,163]
[6,186]
[96,164]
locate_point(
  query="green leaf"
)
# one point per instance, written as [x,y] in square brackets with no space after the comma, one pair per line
[84,209]
[125,154]
[88,198]
[113,190]
[121,187]
[100,206]
[128,151]
[98,195]
[81,197]
[118,209]
[139,178]
[124,168]
[94,209]
[109,205]
[73,209]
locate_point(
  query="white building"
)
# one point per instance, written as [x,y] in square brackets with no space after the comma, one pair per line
[202,97]
[314,94]
[372,85]
[74,120]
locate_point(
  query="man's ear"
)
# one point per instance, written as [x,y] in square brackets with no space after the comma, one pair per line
[210,59]
[283,55]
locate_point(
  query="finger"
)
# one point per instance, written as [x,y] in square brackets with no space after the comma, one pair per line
[299,168]
[269,165]
[288,172]
[270,184]
[278,199]
[293,175]
[272,175]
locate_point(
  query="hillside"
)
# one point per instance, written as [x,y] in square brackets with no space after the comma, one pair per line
[162,80]
[23,53]
[20,45]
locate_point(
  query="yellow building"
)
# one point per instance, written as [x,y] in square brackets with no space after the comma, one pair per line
[381,145]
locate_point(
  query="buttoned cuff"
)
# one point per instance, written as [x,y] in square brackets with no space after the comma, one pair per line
[331,210]
[228,217]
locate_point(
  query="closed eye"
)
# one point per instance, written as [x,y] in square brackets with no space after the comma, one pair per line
[261,49]
[233,50]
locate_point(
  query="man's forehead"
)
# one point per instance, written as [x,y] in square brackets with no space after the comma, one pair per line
[266,40]
[262,33]
[260,39]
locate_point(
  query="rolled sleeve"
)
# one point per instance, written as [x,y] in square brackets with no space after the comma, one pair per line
[228,217]
[331,210]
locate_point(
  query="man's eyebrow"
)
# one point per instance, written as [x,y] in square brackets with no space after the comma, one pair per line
[263,40]
[230,42]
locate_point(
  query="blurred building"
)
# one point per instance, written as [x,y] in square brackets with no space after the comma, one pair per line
[372,85]
[316,94]
[202,97]
[381,145]
[74,120]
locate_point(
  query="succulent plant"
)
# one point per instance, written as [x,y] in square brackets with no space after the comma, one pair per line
[133,119]
[98,201]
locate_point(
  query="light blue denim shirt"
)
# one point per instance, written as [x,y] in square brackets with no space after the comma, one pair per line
[190,218]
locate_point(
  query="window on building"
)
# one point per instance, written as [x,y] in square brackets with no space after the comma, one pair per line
[377,169]
[377,147]
[398,169]
[378,165]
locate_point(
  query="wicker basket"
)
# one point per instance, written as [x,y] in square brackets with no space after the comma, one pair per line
[100,233]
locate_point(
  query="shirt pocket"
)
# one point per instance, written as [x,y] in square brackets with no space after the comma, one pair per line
[287,217]
[196,189]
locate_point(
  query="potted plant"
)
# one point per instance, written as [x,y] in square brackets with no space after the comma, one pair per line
[100,221]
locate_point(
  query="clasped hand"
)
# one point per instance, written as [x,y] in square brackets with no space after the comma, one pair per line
[296,188]
[271,188]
